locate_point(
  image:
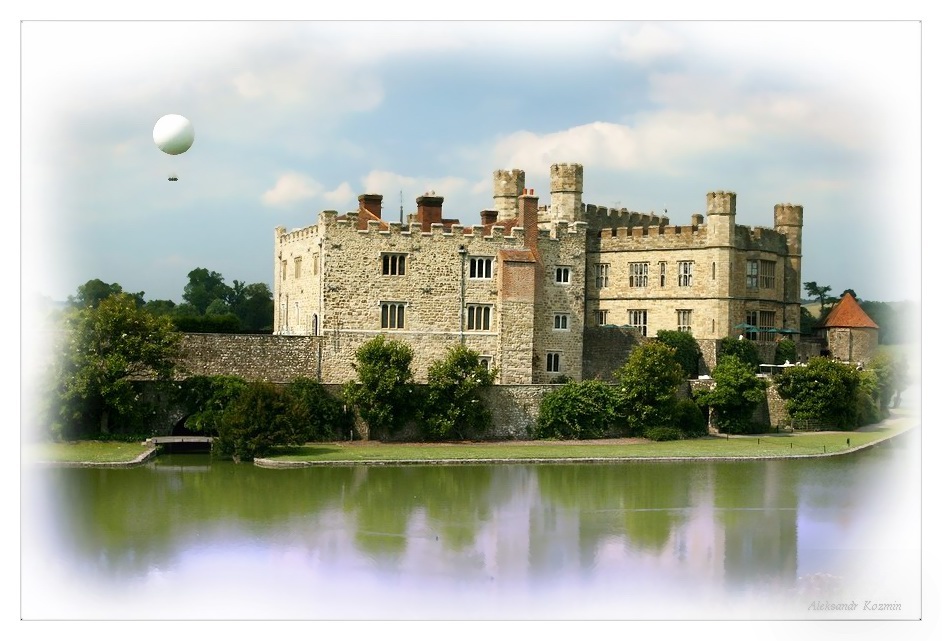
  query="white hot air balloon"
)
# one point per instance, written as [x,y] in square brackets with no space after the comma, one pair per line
[173,135]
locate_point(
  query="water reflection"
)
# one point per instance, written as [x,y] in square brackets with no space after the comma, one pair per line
[187,537]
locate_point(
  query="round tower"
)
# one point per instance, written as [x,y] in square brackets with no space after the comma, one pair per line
[566,192]
[508,185]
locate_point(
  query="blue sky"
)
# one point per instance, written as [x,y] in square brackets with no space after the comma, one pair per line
[292,118]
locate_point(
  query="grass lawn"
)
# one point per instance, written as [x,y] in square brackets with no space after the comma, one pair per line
[84,451]
[768,445]
[765,445]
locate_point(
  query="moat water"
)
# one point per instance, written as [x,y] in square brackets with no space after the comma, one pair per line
[188,537]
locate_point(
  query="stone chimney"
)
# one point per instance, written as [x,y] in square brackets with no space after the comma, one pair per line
[488,216]
[430,210]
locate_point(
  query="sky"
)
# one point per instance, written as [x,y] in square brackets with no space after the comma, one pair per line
[293,118]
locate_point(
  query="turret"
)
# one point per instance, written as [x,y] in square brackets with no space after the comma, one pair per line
[788,222]
[508,185]
[721,217]
[566,192]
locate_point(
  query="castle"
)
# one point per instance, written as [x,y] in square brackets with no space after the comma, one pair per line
[535,290]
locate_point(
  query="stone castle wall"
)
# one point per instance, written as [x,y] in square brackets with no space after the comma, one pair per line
[255,357]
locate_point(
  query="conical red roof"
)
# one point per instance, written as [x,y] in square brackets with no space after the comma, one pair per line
[848,313]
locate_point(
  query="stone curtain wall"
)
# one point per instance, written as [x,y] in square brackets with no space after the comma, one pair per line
[605,349]
[255,357]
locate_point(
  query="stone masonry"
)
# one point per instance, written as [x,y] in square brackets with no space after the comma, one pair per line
[532,287]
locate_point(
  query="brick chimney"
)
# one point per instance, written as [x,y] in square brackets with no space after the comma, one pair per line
[372,203]
[527,206]
[430,210]
[489,217]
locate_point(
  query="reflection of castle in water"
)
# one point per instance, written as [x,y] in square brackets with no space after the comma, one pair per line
[718,524]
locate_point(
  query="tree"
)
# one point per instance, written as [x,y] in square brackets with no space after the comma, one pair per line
[94,291]
[254,305]
[578,410]
[453,408]
[383,391]
[648,384]
[109,347]
[206,399]
[736,393]
[686,350]
[204,287]
[314,412]
[256,422]
[744,350]
[823,390]
[819,292]
[786,350]
[891,379]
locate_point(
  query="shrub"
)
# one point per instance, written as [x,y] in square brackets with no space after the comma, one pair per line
[314,412]
[663,434]
[647,387]
[686,350]
[577,410]
[745,351]
[205,399]
[785,350]
[689,418]
[736,393]
[823,391]
[452,407]
[384,390]
[256,422]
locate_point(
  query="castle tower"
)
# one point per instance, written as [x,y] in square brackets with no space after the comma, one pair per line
[566,192]
[508,185]
[788,222]
[721,217]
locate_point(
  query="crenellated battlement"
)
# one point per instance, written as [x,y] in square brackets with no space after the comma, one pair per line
[647,237]
[296,235]
[460,234]
[760,239]
[600,217]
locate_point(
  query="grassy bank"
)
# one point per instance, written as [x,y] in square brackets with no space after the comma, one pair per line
[769,445]
[766,445]
[84,451]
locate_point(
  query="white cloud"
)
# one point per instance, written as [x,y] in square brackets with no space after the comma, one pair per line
[291,188]
[647,43]
[343,194]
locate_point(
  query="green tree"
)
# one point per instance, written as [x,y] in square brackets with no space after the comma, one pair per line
[256,422]
[314,412]
[823,391]
[578,410]
[254,305]
[204,287]
[785,350]
[821,293]
[648,384]
[453,407]
[744,350]
[736,394]
[93,292]
[892,378]
[384,389]
[686,350]
[206,398]
[160,307]
[109,347]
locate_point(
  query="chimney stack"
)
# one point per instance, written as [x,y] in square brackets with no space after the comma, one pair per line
[430,210]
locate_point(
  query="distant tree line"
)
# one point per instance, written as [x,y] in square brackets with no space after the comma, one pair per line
[209,304]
